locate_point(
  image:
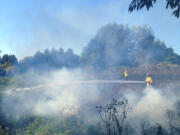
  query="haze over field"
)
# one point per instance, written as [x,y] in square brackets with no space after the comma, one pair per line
[66,97]
[58,84]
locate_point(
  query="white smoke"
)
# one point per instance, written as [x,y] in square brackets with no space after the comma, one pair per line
[56,98]
[151,104]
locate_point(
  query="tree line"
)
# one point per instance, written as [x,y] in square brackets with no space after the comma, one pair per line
[113,46]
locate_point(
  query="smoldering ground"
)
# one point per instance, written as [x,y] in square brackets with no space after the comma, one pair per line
[54,97]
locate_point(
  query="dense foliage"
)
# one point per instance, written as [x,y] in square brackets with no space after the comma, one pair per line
[120,45]
[50,59]
[7,64]
[49,126]
[139,4]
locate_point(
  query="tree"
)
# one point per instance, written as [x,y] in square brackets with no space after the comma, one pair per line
[139,4]
[120,45]
[114,115]
[50,59]
[10,59]
[159,130]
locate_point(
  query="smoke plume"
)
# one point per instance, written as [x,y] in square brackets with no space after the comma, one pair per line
[59,94]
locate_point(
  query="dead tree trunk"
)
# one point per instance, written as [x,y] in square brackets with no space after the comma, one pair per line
[113,115]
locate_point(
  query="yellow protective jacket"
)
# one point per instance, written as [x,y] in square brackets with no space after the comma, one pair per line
[148,80]
[125,74]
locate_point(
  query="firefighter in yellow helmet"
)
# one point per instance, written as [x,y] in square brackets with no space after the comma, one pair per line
[125,75]
[148,80]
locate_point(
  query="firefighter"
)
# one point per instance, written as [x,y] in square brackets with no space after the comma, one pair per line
[148,80]
[125,75]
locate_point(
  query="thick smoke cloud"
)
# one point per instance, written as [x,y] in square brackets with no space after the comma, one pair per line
[152,104]
[57,93]
[60,95]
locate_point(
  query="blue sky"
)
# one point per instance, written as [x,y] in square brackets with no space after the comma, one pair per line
[27,26]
